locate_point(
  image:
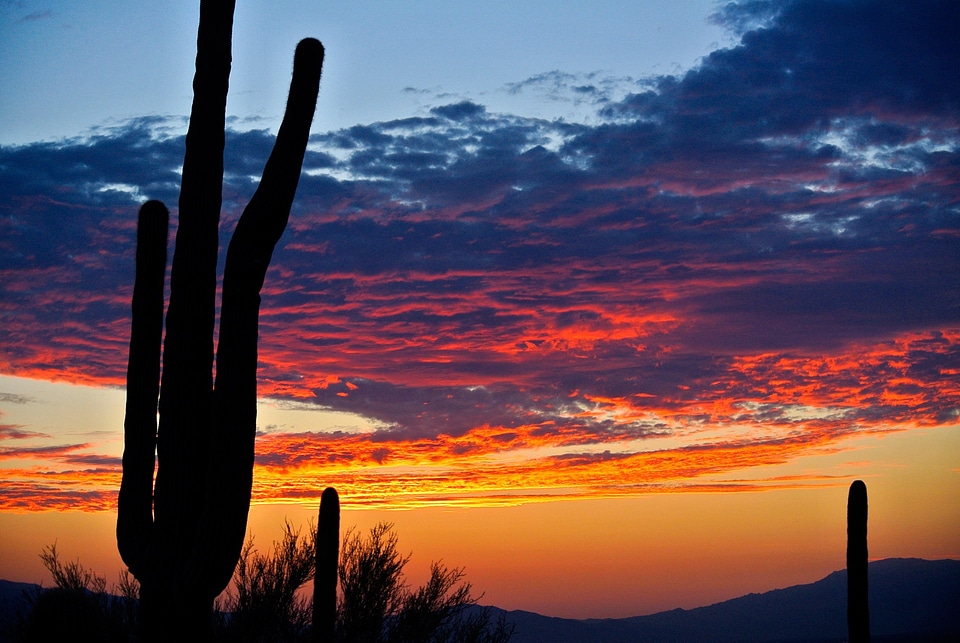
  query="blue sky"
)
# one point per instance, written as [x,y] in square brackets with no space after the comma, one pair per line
[80,65]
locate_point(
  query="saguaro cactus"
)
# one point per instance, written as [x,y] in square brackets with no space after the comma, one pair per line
[181,534]
[858,613]
[328,555]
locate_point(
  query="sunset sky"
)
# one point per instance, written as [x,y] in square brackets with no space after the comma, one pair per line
[606,302]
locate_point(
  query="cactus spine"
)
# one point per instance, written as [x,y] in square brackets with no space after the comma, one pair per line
[858,613]
[181,534]
[325,579]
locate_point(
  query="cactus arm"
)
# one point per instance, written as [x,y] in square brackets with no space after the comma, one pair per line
[223,525]
[135,501]
[858,612]
[325,579]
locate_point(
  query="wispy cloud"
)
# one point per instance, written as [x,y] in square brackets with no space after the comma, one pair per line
[45,14]
[17,432]
[768,242]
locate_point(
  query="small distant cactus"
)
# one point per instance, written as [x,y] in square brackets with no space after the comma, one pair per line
[325,579]
[858,613]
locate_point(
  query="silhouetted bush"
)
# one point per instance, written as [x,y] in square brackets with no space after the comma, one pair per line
[375,604]
[78,607]
[371,583]
[265,602]
[71,575]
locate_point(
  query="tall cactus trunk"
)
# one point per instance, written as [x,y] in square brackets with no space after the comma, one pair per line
[858,612]
[325,579]
[181,534]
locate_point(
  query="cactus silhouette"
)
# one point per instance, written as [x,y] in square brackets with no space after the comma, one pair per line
[858,613]
[328,555]
[181,533]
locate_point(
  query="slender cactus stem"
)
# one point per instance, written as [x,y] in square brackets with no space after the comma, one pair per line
[328,556]
[858,611]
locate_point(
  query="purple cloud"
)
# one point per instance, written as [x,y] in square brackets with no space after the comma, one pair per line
[788,206]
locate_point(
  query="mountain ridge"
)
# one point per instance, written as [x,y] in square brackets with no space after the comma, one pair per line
[911,599]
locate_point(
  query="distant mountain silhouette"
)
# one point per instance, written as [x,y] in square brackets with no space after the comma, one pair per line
[14,594]
[15,599]
[910,600]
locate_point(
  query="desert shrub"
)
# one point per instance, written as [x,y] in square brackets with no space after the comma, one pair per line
[267,599]
[376,604]
[78,606]
[265,602]
[71,574]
